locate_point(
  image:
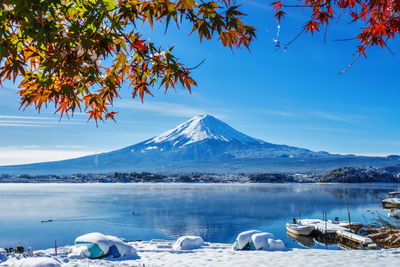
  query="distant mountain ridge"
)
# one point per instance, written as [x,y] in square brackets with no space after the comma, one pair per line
[202,144]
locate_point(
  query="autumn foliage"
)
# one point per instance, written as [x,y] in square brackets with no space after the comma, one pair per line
[379,20]
[58,48]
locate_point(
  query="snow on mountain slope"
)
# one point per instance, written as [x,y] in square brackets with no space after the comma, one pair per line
[200,128]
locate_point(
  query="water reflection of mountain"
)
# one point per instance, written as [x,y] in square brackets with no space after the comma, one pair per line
[217,212]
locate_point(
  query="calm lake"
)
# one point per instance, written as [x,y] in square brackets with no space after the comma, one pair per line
[216,212]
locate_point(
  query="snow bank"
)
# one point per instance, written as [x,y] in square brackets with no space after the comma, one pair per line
[105,242]
[160,253]
[260,240]
[34,262]
[188,242]
[217,254]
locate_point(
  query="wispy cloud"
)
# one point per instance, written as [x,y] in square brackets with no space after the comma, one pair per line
[23,117]
[12,155]
[318,114]
[29,121]
[167,108]
[281,113]
[70,146]
[348,118]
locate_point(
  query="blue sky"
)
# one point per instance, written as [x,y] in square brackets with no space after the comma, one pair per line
[291,97]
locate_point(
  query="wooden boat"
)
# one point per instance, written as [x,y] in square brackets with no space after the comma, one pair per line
[299,229]
[392,201]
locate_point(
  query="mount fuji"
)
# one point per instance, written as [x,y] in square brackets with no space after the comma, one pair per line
[202,144]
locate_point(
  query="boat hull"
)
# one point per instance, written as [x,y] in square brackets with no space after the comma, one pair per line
[389,203]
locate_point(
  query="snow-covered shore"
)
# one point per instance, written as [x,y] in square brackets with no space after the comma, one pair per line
[160,253]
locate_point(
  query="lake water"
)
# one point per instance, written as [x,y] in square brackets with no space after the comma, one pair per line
[217,212]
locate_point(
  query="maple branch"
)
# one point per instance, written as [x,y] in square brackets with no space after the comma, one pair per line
[198,65]
[348,66]
[294,39]
[390,50]
[340,14]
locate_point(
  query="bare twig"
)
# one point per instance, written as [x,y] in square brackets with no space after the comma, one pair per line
[345,39]
[198,65]
[341,11]
[297,36]
[390,50]
[295,6]
[354,60]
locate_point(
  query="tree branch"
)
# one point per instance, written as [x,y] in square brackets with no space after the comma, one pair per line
[348,66]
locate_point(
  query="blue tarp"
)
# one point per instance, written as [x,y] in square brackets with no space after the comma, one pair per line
[94,249]
[113,252]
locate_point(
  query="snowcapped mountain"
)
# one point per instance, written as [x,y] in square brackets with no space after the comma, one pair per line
[202,144]
[201,128]
[205,137]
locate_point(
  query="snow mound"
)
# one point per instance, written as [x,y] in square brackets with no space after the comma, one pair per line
[36,262]
[3,255]
[256,240]
[105,242]
[260,240]
[188,242]
[275,244]
[81,252]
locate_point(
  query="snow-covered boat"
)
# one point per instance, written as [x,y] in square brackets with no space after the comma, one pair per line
[299,229]
[392,201]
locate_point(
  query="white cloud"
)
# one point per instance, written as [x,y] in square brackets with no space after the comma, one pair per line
[13,155]
[346,118]
[29,121]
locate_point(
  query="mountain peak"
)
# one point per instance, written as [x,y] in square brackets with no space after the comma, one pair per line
[200,128]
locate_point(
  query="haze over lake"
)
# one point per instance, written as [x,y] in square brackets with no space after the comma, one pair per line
[217,212]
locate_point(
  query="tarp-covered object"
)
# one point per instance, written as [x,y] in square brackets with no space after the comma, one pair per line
[94,250]
[3,255]
[256,240]
[97,245]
